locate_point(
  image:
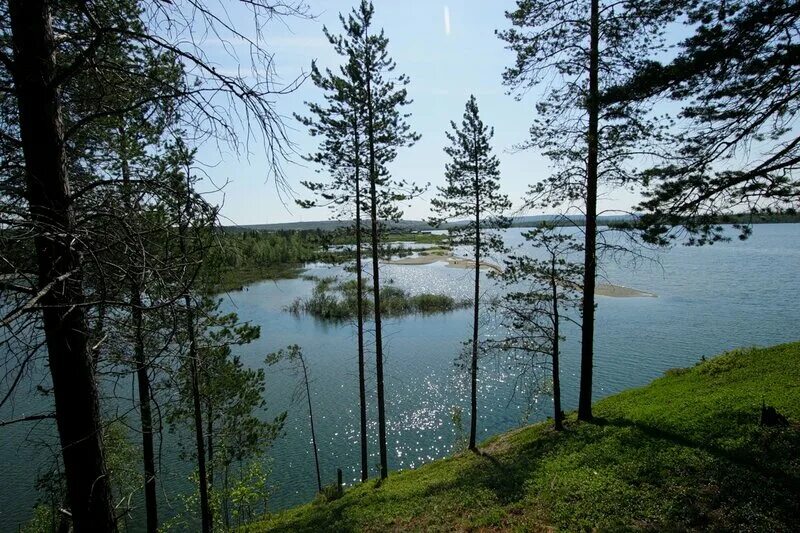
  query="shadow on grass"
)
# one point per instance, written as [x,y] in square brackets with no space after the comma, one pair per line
[751,481]
[764,452]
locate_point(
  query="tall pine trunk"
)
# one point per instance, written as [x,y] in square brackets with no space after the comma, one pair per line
[362,393]
[140,359]
[590,253]
[557,416]
[58,263]
[145,412]
[210,442]
[473,422]
[194,376]
[311,421]
[194,371]
[376,283]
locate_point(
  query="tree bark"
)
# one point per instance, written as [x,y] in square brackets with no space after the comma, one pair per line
[311,420]
[205,509]
[473,422]
[210,443]
[590,252]
[194,371]
[558,421]
[376,284]
[362,393]
[59,267]
[145,413]
[140,359]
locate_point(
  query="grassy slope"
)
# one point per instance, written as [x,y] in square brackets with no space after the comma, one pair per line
[685,452]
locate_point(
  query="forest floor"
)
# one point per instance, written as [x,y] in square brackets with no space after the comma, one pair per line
[686,452]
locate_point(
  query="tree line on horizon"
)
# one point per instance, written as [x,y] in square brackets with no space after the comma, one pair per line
[109,248]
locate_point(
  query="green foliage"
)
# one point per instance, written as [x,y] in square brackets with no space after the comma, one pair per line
[239,498]
[249,493]
[737,146]
[260,248]
[460,437]
[683,453]
[473,187]
[231,395]
[551,41]
[122,460]
[45,519]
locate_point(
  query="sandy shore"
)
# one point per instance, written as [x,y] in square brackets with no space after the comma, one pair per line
[452,262]
[618,291]
[602,289]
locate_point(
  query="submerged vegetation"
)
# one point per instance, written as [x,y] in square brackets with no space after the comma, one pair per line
[334,300]
[686,452]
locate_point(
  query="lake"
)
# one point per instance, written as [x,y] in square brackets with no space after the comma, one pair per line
[709,300]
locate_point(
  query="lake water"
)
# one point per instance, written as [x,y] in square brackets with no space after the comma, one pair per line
[708,300]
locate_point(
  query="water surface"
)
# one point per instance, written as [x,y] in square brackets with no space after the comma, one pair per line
[709,300]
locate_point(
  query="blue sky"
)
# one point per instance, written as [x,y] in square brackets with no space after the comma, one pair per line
[445,67]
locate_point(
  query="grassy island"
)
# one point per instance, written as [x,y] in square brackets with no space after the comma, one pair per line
[334,300]
[686,452]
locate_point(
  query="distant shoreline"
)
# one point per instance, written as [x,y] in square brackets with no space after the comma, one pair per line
[518,222]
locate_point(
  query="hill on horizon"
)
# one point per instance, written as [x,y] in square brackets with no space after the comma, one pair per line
[411,225]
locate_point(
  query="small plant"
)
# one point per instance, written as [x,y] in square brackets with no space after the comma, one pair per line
[329,493]
[460,436]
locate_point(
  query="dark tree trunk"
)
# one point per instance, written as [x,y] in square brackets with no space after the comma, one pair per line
[140,359]
[376,283]
[226,512]
[558,419]
[145,413]
[194,376]
[311,420]
[210,444]
[473,422]
[362,393]
[590,253]
[205,509]
[58,262]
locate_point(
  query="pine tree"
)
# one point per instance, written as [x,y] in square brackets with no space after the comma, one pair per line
[380,95]
[341,154]
[293,355]
[577,49]
[473,192]
[541,294]
[230,396]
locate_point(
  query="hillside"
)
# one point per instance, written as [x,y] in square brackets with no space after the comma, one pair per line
[685,452]
[418,225]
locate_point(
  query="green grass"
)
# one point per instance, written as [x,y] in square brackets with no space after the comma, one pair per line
[683,453]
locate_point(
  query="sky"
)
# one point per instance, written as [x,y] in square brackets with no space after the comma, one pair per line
[449,51]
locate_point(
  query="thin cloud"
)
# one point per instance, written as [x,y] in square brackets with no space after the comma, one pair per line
[447,21]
